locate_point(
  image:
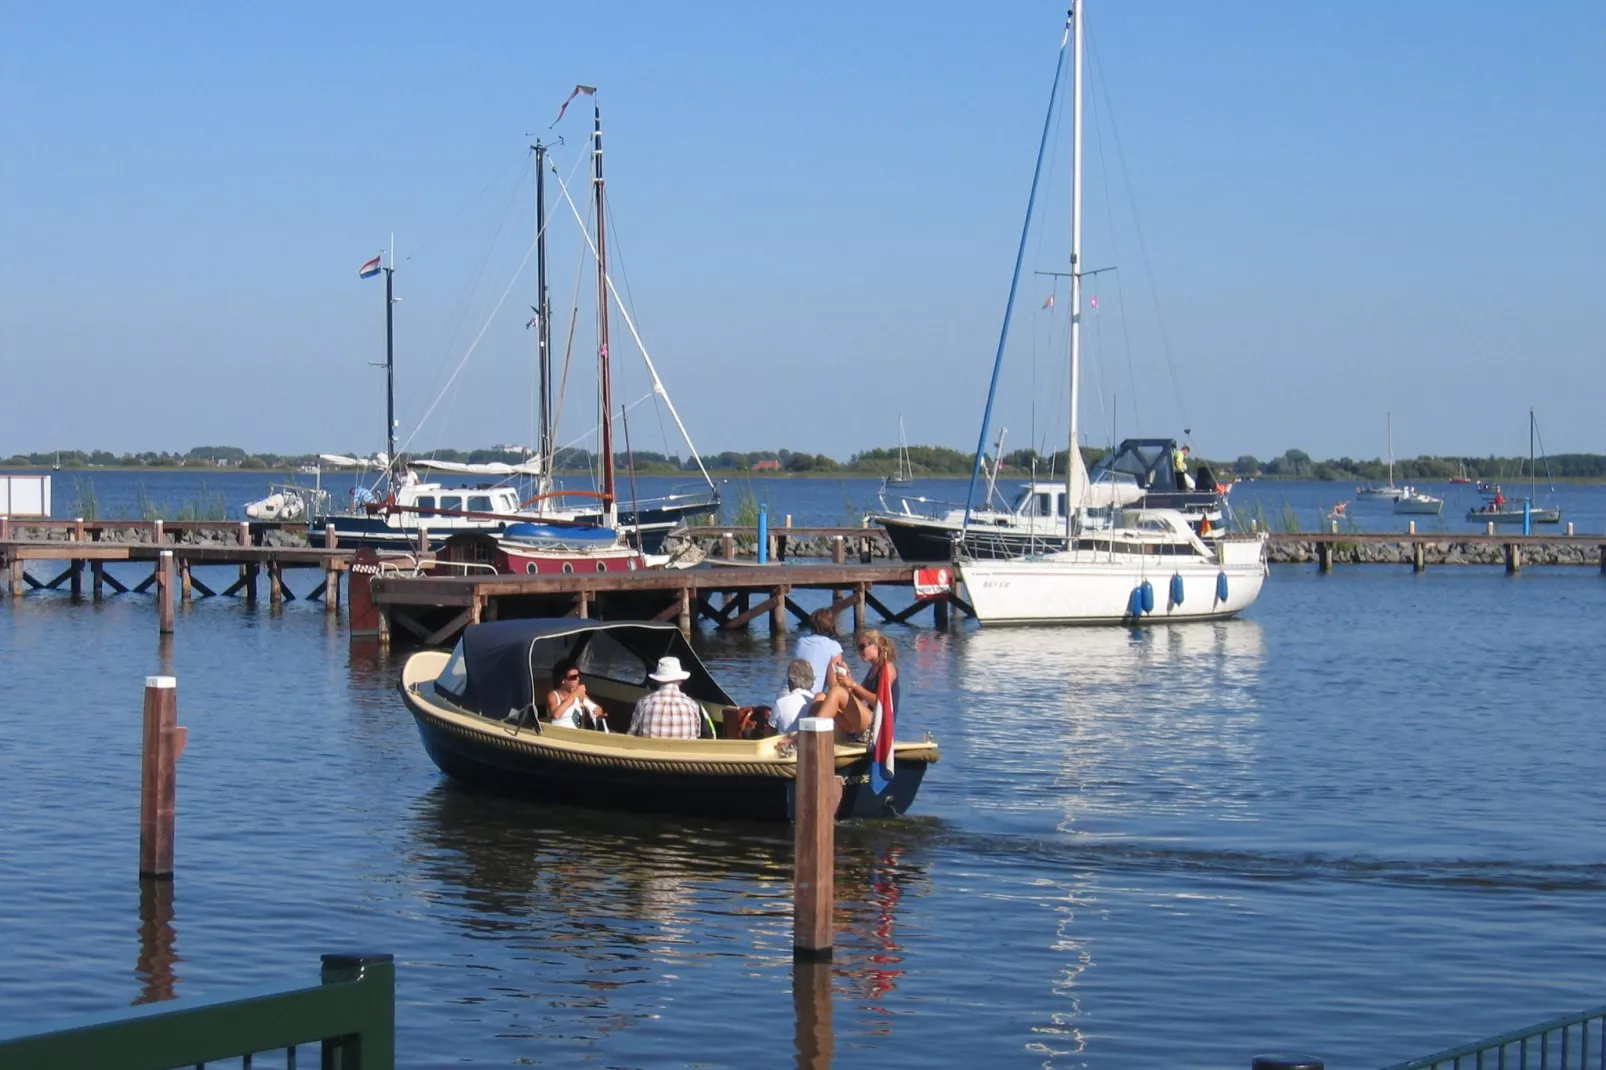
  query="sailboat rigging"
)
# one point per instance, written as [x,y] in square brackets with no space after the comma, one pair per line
[1499,510]
[1106,571]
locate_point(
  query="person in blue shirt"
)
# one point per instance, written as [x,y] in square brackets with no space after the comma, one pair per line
[819,647]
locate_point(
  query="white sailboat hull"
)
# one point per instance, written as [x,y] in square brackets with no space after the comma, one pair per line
[1095,587]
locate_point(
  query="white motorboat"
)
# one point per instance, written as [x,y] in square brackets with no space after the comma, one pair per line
[1414,502]
[1130,565]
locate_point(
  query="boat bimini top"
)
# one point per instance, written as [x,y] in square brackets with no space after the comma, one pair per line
[503,667]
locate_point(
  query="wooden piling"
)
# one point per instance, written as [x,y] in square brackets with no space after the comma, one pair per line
[770,545]
[186,586]
[331,587]
[1324,557]
[76,567]
[5,528]
[1602,563]
[1513,558]
[860,593]
[1569,529]
[684,616]
[158,536]
[1410,526]
[727,546]
[866,550]
[839,549]
[251,573]
[1490,526]
[164,593]
[275,585]
[939,613]
[19,584]
[778,611]
[817,793]
[423,538]
[97,579]
[330,539]
[158,792]
[1419,562]
[245,533]
[77,529]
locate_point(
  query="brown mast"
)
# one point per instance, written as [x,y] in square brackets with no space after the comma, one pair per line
[604,376]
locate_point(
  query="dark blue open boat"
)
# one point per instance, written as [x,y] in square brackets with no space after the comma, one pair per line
[475,710]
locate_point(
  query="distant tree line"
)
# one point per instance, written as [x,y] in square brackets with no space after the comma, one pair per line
[931,461]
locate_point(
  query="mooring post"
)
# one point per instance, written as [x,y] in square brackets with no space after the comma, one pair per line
[331,588]
[816,795]
[839,549]
[245,533]
[778,612]
[1513,558]
[1334,527]
[1410,526]
[1569,529]
[77,529]
[1490,526]
[330,539]
[158,536]
[866,553]
[275,584]
[97,582]
[684,617]
[164,593]
[1324,557]
[727,546]
[185,588]
[158,789]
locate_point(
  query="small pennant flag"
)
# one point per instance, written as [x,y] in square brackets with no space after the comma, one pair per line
[531,322]
[1050,302]
[1094,301]
[369,270]
[588,90]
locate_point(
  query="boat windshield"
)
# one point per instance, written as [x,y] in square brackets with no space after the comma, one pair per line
[454,678]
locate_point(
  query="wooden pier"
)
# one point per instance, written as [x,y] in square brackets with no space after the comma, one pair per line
[432,609]
[1449,548]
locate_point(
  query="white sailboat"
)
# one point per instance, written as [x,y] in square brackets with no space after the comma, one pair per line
[904,474]
[1391,492]
[1112,565]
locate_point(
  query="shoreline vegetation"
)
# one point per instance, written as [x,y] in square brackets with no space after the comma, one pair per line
[926,462]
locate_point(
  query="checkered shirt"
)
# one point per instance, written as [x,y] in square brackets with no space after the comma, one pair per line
[667,713]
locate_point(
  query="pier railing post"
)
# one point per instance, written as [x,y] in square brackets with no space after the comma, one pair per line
[818,791]
[164,593]
[330,539]
[727,546]
[245,533]
[158,536]
[158,793]
[839,549]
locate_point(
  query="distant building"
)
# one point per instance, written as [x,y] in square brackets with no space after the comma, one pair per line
[766,466]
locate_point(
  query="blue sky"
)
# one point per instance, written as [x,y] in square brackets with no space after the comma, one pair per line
[1347,210]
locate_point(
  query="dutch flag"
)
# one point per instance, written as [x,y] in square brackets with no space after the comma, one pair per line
[369,270]
[881,735]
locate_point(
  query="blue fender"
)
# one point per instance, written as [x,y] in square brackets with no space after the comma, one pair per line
[1146,591]
[1221,586]
[1176,589]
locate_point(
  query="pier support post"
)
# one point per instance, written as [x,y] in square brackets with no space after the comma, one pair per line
[76,567]
[778,611]
[164,593]
[1324,557]
[331,590]
[684,617]
[18,584]
[251,573]
[186,588]
[1513,558]
[158,790]
[5,528]
[582,604]
[860,593]
[1418,557]
[817,794]
[245,533]
[382,626]
[939,614]
[18,591]
[97,581]
[275,585]
[330,540]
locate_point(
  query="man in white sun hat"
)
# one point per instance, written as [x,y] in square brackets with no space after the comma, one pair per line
[668,712]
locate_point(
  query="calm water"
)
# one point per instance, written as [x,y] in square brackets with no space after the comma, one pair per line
[830,502]
[1364,821]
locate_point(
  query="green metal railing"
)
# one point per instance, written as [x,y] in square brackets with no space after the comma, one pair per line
[1576,1042]
[350,1015]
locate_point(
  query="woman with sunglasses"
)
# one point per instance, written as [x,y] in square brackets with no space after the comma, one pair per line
[568,704]
[852,705]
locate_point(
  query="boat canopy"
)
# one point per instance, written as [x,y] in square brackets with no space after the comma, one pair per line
[531,467]
[503,666]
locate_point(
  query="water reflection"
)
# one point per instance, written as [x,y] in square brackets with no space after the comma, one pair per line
[595,904]
[158,950]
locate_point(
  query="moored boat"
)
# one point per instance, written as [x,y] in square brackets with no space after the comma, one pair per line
[462,702]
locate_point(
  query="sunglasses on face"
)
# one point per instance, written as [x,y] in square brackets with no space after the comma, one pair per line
[572,676]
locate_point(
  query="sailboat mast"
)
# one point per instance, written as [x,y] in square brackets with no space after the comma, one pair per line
[390,361]
[1532,474]
[1390,418]
[604,376]
[543,332]
[1072,492]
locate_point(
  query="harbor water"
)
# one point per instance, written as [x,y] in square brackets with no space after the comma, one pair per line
[1363,821]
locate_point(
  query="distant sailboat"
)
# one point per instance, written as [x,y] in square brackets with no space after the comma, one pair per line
[904,474]
[1499,510]
[1390,492]
[57,466]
